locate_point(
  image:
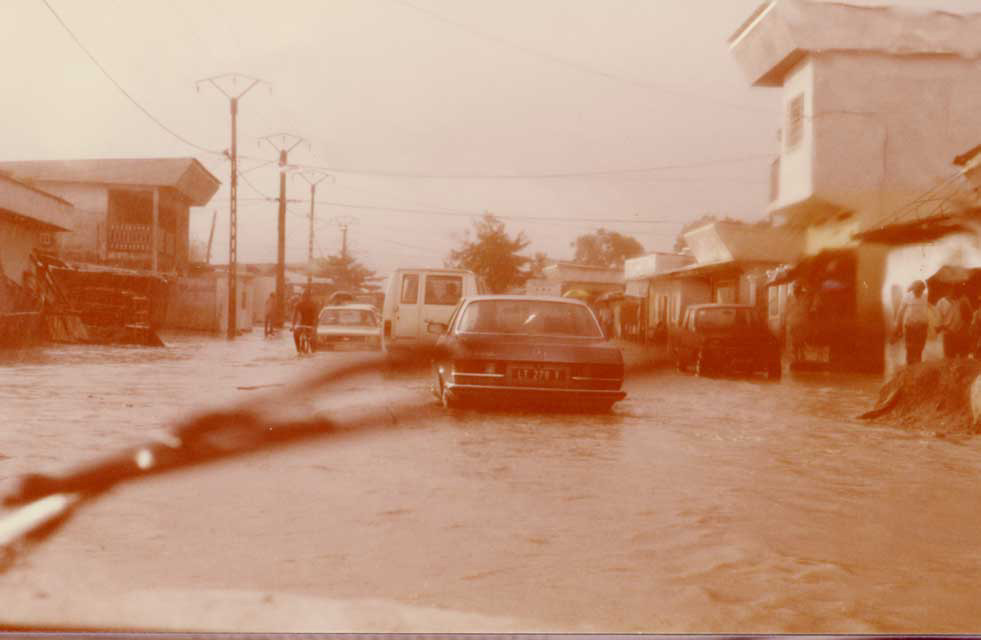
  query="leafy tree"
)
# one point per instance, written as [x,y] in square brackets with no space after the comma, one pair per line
[606,248]
[347,274]
[492,254]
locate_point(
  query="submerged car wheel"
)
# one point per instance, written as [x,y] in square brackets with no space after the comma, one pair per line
[449,402]
[701,367]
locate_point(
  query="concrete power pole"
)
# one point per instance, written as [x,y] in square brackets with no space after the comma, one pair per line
[233,97]
[343,222]
[284,143]
[313,179]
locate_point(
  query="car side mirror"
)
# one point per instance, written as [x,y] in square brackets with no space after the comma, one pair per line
[436,327]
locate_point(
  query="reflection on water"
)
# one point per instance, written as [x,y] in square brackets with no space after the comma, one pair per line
[698,505]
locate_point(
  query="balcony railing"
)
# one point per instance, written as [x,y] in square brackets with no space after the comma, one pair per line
[137,238]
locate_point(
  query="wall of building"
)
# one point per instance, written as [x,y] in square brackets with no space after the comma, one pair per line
[878,130]
[669,297]
[17,241]
[87,239]
[262,286]
[201,304]
[796,160]
[246,296]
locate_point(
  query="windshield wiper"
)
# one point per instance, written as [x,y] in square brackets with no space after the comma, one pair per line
[42,503]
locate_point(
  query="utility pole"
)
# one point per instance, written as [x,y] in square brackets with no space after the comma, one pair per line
[233,96]
[286,143]
[344,222]
[313,179]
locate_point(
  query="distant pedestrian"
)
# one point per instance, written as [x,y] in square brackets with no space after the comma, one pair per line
[798,307]
[912,320]
[955,318]
[974,332]
[270,313]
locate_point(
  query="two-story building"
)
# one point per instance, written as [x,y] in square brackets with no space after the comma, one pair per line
[876,101]
[127,212]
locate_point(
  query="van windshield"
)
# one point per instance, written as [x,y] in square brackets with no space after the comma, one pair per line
[529,317]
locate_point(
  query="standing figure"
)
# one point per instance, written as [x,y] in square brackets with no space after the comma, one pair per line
[270,313]
[913,319]
[955,317]
[798,307]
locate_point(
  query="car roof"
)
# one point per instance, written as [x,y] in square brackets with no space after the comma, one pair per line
[362,307]
[433,270]
[525,298]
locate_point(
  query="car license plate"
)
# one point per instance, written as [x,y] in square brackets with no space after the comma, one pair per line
[539,375]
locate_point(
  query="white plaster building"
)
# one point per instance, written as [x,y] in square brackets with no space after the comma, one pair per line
[876,102]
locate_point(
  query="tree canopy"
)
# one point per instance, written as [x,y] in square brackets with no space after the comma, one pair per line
[347,274]
[605,248]
[493,255]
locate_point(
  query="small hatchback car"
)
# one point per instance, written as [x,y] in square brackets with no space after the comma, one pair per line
[352,325]
[725,338]
[511,349]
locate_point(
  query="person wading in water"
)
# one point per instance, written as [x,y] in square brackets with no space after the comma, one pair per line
[304,320]
[912,320]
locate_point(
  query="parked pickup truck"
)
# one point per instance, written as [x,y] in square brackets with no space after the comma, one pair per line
[717,338]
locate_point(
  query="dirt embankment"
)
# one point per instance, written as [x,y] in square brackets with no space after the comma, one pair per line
[933,396]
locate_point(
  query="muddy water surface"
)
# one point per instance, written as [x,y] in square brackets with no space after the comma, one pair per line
[698,505]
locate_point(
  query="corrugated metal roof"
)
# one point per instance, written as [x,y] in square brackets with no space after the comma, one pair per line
[34,206]
[185,175]
[721,241]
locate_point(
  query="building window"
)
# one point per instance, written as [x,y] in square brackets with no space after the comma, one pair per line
[795,121]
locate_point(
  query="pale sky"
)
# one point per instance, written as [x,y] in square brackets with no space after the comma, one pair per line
[487,99]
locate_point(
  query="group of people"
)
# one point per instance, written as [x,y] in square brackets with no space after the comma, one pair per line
[956,320]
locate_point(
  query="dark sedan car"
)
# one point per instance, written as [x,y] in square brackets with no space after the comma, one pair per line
[509,349]
[725,337]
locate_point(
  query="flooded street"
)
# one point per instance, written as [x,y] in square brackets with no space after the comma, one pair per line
[698,505]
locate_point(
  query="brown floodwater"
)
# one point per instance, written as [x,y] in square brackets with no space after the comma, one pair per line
[698,505]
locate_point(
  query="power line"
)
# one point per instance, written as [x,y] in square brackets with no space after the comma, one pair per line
[386,173]
[578,66]
[129,97]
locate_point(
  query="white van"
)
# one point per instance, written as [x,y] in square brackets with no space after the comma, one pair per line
[416,297]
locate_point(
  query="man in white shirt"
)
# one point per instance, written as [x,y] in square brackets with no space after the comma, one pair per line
[913,318]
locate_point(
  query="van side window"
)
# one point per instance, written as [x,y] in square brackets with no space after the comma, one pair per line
[410,288]
[443,290]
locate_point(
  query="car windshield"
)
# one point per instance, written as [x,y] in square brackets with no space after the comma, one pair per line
[723,318]
[348,318]
[529,317]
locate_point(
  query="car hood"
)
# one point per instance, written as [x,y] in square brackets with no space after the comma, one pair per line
[554,349]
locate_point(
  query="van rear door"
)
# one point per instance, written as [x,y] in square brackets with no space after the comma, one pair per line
[406,323]
[442,292]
